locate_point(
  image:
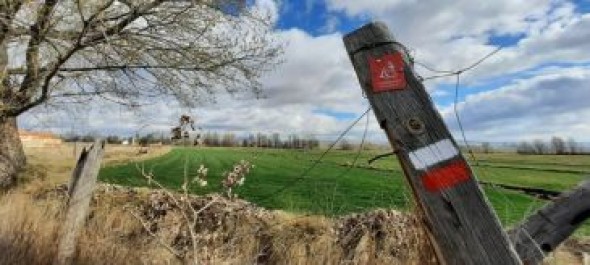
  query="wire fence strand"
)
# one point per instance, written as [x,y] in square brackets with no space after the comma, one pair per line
[305,172]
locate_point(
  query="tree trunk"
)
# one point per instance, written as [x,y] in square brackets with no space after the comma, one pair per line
[12,155]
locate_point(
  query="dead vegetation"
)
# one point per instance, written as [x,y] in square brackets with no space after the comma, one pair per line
[227,231]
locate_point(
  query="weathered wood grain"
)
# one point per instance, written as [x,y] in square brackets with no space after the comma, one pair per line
[543,231]
[463,227]
[80,191]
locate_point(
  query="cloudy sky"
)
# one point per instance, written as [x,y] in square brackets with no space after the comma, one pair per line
[536,86]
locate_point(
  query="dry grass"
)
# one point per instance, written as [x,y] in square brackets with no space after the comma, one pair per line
[30,227]
[229,232]
[24,238]
[55,164]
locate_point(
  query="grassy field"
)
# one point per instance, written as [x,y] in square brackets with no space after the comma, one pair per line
[335,188]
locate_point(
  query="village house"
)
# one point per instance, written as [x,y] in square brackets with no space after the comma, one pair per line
[39,139]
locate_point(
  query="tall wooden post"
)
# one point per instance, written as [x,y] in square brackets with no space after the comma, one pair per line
[463,227]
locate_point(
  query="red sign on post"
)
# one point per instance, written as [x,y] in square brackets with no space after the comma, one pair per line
[387,72]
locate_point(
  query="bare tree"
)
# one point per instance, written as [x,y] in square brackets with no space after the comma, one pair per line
[572,146]
[539,147]
[558,145]
[228,140]
[486,147]
[126,51]
[525,148]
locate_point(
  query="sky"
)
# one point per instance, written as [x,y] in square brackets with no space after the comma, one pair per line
[535,87]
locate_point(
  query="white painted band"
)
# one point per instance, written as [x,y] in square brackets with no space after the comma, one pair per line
[432,154]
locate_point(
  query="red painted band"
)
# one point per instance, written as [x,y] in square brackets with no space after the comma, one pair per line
[446,177]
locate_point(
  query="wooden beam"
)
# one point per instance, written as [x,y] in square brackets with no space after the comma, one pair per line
[80,190]
[463,227]
[543,231]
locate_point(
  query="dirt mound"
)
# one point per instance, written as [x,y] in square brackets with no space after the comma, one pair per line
[162,228]
[384,235]
[234,231]
[143,226]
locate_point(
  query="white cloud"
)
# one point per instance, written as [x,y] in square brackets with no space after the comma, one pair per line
[318,76]
[438,20]
[453,34]
[564,39]
[316,73]
[554,102]
[331,25]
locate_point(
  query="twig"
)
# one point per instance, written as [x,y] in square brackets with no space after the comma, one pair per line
[159,239]
[183,204]
[379,157]
[190,223]
[209,204]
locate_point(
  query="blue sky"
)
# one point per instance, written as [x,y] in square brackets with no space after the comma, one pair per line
[534,88]
[315,18]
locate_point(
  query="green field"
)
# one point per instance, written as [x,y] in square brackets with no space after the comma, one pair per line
[333,187]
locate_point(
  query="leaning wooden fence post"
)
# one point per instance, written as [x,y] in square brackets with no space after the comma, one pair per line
[463,227]
[543,231]
[80,191]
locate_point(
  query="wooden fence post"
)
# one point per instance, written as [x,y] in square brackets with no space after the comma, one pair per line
[463,227]
[543,231]
[80,191]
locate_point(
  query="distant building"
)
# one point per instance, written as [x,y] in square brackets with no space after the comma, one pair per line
[39,139]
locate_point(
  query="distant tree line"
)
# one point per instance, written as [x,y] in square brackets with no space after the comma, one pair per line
[87,138]
[293,141]
[556,145]
[222,139]
[150,138]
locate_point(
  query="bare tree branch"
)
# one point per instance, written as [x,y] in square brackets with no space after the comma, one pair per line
[129,51]
[7,11]
[32,54]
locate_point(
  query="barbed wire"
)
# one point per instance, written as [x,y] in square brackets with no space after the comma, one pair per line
[360,148]
[447,73]
[457,74]
[303,175]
